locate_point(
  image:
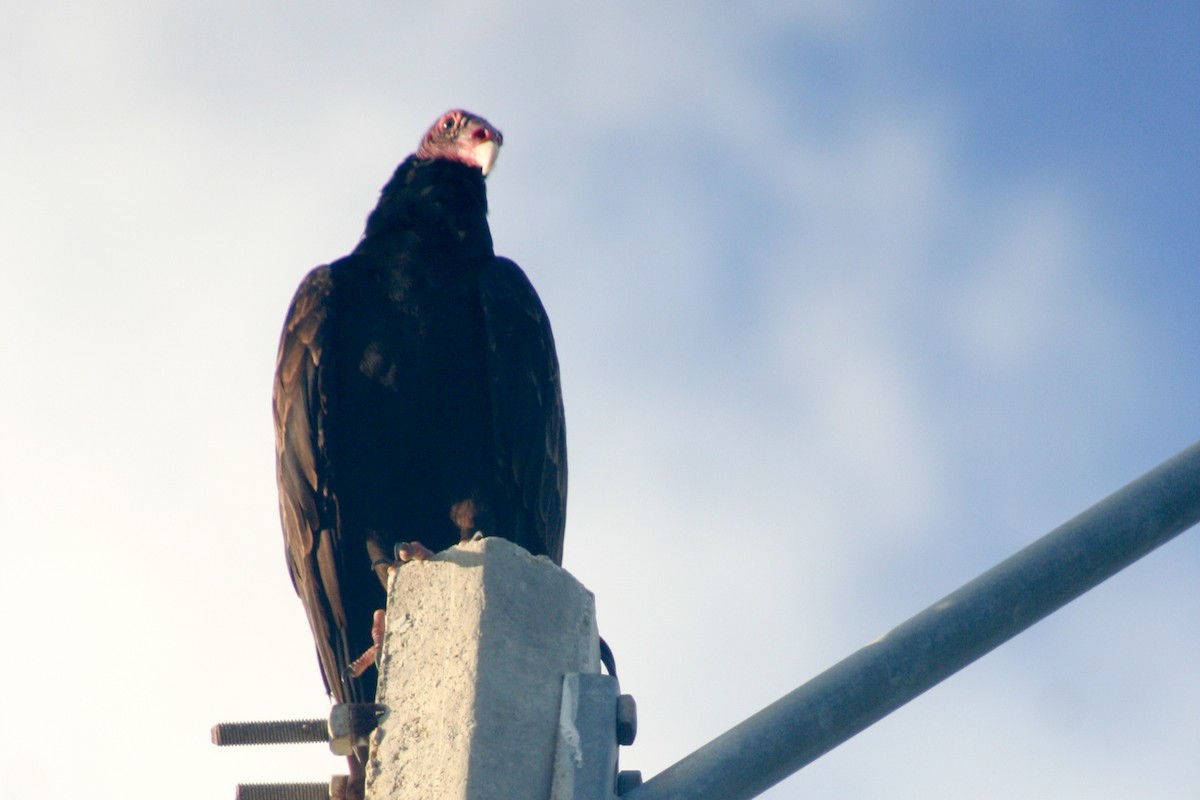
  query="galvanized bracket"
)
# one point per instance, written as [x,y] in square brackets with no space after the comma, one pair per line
[593,721]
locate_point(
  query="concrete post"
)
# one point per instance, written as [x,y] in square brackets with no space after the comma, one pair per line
[478,641]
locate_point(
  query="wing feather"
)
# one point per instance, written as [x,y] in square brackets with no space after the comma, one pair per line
[531,442]
[307,506]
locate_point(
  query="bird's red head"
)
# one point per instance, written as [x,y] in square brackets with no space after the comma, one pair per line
[461,136]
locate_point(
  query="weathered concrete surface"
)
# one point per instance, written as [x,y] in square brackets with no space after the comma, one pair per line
[478,640]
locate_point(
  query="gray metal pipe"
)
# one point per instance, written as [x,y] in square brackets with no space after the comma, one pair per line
[931,646]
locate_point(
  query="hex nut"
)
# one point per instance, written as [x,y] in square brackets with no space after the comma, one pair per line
[627,780]
[626,719]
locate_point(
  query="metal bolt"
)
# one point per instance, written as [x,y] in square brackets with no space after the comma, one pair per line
[628,779]
[348,722]
[626,719]
[284,732]
[282,791]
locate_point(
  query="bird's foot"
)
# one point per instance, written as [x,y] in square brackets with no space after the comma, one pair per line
[401,554]
[361,664]
[412,551]
[352,786]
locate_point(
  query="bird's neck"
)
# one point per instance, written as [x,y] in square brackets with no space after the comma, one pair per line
[428,196]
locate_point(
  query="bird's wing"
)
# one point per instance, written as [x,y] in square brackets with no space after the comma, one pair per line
[307,507]
[531,442]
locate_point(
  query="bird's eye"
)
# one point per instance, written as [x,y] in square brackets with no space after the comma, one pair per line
[448,123]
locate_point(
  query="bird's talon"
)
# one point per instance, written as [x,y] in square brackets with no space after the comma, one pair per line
[412,551]
[371,657]
[358,666]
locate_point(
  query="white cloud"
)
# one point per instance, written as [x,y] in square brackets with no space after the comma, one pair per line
[1033,297]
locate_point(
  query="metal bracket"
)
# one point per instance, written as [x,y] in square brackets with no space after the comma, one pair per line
[594,720]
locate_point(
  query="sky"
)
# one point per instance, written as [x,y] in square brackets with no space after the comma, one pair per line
[852,301]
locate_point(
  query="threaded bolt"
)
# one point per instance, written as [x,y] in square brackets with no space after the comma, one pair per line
[283,732]
[282,791]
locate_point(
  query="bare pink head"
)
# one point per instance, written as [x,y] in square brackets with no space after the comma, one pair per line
[461,136]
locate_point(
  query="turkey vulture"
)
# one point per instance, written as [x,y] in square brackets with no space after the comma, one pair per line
[416,397]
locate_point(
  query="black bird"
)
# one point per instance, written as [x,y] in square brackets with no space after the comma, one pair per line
[416,398]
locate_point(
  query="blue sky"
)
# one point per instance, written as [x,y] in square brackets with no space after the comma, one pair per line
[852,301]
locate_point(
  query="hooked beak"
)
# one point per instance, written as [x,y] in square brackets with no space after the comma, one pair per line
[485,154]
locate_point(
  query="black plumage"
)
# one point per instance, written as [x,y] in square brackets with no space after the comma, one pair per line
[416,397]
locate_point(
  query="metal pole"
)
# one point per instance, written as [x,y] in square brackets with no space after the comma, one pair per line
[868,685]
